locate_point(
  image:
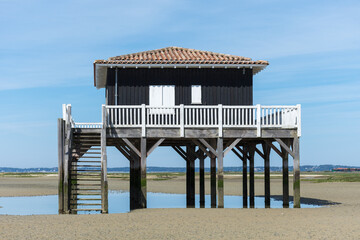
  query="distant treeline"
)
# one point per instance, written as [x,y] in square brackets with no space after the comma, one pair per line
[304,168]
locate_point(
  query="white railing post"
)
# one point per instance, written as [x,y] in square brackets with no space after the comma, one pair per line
[220,119]
[64,112]
[182,119]
[258,120]
[68,118]
[143,120]
[103,116]
[298,120]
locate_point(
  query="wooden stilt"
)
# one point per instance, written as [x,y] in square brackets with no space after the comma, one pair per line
[60,164]
[188,166]
[133,180]
[213,180]
[296,174]
[190,176]
[192,182]
[104,180]
[202,180]
[220,147]
[245,197]
[252,176]
[67,161]
[143,193]
[285,171]
[266,150]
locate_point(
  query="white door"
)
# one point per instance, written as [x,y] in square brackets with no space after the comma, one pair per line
[162,96]
[155,96]
[168,96]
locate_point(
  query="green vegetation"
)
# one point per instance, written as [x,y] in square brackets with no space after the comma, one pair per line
[316,177]
[150,176]
[26,174]
[164,176]
[337,177]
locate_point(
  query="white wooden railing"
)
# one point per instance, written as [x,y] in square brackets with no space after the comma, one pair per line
[218,116]
[69,119]
[182,117]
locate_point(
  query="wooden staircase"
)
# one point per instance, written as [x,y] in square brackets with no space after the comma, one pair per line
[85,173]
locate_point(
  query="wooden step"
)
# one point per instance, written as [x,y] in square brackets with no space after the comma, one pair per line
[87,141]
[90,166]
[96,136]
[87,137]
[86,185]
[86,204]
[90,189]
[87,179]
[86,161]
[81,189]
[85,170]
[87,189]
[92,153]
[89,157]
[85,209]
[93,194]
[87,148]
[86,175]
[86,199]
[83,152]
[79,145]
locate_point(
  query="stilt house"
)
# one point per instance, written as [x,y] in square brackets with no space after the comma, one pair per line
[198,102]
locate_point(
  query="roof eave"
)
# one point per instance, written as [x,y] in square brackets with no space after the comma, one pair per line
[100,68]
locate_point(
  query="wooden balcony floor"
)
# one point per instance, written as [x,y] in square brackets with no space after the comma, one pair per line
[193,132]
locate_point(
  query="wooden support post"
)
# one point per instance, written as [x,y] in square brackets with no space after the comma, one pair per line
[134,172]
[67,164]
[202,180]
[220,156]
[296,174]
[285,172]
[252,177]
[143,194]
[245,194]
[213,177]
[60,164]
[266,151]
[213,180]
[190,176]
[104,180]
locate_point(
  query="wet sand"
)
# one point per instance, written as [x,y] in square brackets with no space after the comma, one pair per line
[338,221]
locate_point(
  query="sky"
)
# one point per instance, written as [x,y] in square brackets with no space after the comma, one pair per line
[47,49]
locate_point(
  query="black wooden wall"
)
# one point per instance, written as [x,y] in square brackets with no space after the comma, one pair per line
[230,86]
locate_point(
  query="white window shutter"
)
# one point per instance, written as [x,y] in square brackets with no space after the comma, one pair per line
[196,94]
[168,96]
[155,95]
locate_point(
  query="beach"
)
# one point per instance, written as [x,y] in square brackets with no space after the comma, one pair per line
[338,219]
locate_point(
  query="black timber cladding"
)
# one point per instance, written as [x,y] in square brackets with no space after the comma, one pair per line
[230,86]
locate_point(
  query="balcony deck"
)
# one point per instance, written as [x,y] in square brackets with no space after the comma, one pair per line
[197,122]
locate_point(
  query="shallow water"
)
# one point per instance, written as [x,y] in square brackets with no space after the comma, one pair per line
[119,203]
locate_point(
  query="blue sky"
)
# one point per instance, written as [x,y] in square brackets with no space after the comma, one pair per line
[47,49]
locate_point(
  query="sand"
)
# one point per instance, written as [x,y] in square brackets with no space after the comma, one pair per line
[338,221]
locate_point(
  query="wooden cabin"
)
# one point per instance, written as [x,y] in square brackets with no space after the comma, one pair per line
[199,103]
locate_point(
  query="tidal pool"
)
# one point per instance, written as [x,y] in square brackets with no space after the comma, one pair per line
[119,203]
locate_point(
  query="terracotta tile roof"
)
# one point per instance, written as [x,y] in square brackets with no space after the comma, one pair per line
[179,55]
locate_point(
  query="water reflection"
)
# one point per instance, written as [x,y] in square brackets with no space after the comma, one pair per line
[119,203]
